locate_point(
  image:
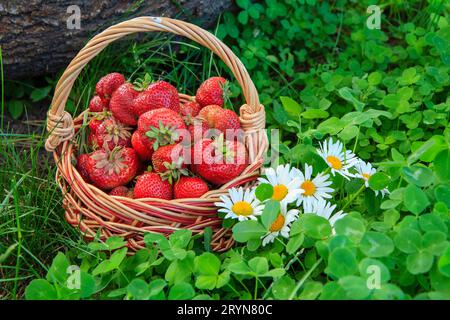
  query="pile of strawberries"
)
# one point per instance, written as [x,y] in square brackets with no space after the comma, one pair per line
[145,143]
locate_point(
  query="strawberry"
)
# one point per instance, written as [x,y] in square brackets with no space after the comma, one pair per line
[110,133]
[160,94]
[226,120]
[151,185]
[198,130]
[83,167]
[190,109]
[121,104]
[162,126]
[169,161]
[189,187]
[97,104]
[211,92]
[98,119]
[210,114]
[219,161]
[108,84]
[143,145]
[122,191]
[109,169]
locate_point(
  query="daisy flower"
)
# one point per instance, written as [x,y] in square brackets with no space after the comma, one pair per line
[240,204]
[324,209]
[281,225]
[365,171]
[338,159]
[313,189]
[285,185]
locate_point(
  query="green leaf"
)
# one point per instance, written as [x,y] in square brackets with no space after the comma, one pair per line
[415,199]
[16,108]
[283,287]
[315,226]
[39,94]
[442,165]
[207,264]
[58,272]
[291,107]
[314,114]
[264,191]
[246,230]
[341,262]
[418,175]
[156,287]
[419,262]
[331,126]
[206,282]
[369,267]
[112,263]
[40,289]
[294,243]
[435,242]
[87,284]
[355,287]
[270,213]
[138,289]
[181,291]
[351,227]
[431,222]
[311,290]
[259,265]
[346,94]
[444,263]
[376,244]
[408,240]
[442,193]
[180,238]
[379,181]
[333,291]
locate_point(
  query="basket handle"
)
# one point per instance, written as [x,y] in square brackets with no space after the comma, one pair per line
[60,123]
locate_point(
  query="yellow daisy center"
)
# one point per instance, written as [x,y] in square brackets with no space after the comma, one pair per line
[334,162]
[279,192]
[366,176]
[277,224]
[242,208]
[309,188]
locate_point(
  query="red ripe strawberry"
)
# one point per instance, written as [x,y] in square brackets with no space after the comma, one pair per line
[109,169]
[169,161]
[219,161]
[151,185]
[83,167]
[97,104]
[110,133]
[198,130]
[160,94]
[108,84]
[121,191]
[98,119]
[227,120]
[162,126]
[121,104]
[211,92]
[210,114]
[189,187]
[143,145]
[190,109]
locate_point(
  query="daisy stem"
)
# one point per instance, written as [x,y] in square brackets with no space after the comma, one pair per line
[354,196]
[303,279]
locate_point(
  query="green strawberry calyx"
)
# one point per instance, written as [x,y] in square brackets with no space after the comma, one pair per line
[163,135]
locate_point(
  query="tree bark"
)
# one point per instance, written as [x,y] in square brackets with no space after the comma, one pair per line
[35,38]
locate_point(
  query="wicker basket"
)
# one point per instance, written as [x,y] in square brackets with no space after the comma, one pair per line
[96,213]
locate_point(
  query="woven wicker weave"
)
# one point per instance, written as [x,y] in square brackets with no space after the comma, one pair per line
[95,212]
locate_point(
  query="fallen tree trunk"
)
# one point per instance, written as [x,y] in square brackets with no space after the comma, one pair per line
[39,37]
